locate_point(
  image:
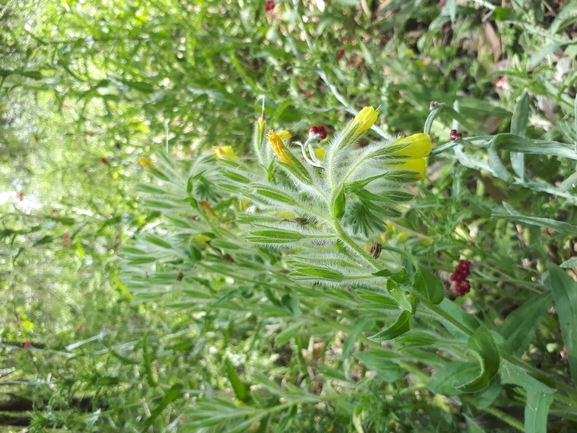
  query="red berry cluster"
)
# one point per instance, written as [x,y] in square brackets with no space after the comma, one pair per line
[318,130]
[460,277]
[268,5]
[454,135]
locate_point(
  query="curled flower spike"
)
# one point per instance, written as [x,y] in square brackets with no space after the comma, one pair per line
[224,152]
[278,146]
[419,147]
[363,121]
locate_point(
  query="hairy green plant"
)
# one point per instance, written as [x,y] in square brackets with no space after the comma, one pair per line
[283,240]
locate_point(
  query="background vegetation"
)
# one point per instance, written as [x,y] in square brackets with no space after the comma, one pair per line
[107,326]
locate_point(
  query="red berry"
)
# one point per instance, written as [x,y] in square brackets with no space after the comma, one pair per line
[340,54]
[269,5]
[26,345]
[20,196]
[103,161]
[314,130]
[467,285]
[322,132]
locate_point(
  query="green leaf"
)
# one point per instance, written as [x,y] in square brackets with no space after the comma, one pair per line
[380,362]
[274,194]
[240,388]
[173,393]
[428,286]
[158,242]
[520,326]
[287,419]
[484,349]
[235,177]
[560,226]
[297,170]
[457,313]
[536,411]
[564,290]
[519,123]
[361,324]
[568,264]
[510,373]
[399,295]
[274,236]
[401,325]
[452,375]
[339,203]
[147,362]
[564,18]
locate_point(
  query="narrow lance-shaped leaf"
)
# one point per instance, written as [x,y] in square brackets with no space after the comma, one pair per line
[519,127]
[520,326]
[536,410]
[564,291]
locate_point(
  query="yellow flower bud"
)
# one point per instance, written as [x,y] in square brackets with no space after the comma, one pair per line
[278,146]
[414,164]
[363,120]
[420,146]
[224,152]
[201,239]
[145,162]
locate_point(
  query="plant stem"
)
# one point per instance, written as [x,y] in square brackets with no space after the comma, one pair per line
[506,418]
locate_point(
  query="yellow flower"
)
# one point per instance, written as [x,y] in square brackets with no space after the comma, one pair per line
[284,135]
[414,164]
[224,152]
[145,162]
[278,146]
[363,120]
[420,146]
[320,153]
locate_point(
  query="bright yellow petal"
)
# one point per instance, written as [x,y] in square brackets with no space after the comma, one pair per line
[278,146]
[364,120]
[417,164]
[420,146]
[284,135]
[320,153]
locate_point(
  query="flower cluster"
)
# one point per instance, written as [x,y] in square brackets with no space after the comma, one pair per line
[454,135]
[459,277]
